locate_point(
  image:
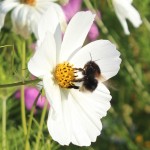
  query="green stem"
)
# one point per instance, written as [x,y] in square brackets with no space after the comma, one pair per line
[23,114]
[7,46]
[4,125]
[30,121]
[20,83]
[147,23]
[41,126]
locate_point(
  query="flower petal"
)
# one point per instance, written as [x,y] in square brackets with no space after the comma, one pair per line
[59,128]
[47,7]
[124,10]
[50,23]
[61,16]
[20,20]
[5,7]
[129,1]
[134,16]
[76,33]
[44,59]
[34,18]
[123,22]
[103,52]
[53,95]
[81,113]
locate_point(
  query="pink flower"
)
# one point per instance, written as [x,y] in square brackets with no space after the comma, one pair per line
[93,33]
[71,8]
[30,96]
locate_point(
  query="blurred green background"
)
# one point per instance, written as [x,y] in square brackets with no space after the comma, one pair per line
[127,124]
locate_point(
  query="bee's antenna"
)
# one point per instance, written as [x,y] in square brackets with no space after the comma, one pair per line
[90,56]
[97,59]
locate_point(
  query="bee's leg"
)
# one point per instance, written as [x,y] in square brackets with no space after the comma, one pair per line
[79,69]
[73,86]
[78,80]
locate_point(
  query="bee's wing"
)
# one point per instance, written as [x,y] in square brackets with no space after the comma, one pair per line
[107,83]
[83,89]
[101,78]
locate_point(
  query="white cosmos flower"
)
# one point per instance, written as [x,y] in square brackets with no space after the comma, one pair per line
[75,115]
[26,14]
[124,10]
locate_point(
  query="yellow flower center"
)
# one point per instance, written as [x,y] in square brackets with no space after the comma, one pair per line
[64,75]
[29,2]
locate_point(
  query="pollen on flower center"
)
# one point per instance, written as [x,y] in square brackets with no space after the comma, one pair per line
[64,75]
[29,2]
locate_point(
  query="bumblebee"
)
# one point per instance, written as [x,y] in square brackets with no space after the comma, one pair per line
[91,73]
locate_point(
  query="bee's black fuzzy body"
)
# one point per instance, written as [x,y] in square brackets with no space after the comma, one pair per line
[91,72]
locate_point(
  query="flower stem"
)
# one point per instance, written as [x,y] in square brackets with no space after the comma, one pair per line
[147,23]
[4,124]
[7,46]
[30,121]
[20,83]
[41,126]
[23,115]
